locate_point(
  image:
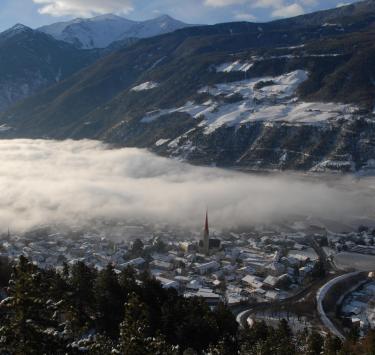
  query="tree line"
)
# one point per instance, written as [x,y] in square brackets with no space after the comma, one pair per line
[81,310]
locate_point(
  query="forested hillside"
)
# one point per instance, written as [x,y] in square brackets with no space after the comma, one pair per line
[82,311]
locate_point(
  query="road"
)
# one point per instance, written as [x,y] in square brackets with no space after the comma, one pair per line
[320,297]
[242,314]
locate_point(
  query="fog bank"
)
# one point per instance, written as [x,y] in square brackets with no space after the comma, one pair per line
[74,182]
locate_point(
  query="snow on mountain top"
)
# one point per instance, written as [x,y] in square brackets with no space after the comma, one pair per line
[106,17]
[101,31]
[18,28]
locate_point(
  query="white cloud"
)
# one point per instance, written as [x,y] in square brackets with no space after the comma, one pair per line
[223,3]
[84,8]
[245,16]
[341,4]
[289,11]
[279,7]
[268,4]
[75,182]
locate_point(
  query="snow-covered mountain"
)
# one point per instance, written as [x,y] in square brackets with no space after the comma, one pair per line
[294,94]
[101,31]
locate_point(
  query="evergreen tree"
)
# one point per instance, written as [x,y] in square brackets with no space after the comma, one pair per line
[137,248]
[109,302]
[135,333]
[332,345]
[26,316]
[82,281]
[314,343]
[283,337]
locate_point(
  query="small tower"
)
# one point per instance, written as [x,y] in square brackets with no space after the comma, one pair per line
[206,236]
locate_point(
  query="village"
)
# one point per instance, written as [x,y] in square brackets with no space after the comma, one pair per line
[256,266]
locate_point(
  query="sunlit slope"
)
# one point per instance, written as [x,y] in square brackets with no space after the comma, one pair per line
[225,94]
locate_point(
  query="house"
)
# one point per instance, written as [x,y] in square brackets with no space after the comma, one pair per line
[137,263]
[194,285]
[272,295]
[271,281]
[207,267]
[275,268]
[166,283]
[252,281]
[188,247]
[207,294]
[161,265]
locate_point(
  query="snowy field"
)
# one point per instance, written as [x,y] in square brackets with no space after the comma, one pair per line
[355,261]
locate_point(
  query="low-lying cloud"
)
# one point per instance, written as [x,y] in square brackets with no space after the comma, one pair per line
[74,182]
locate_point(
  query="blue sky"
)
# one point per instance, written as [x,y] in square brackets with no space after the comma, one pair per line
[35,13]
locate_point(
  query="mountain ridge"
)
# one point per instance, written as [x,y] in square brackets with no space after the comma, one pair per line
[32,60]
[101,31]
[245,95]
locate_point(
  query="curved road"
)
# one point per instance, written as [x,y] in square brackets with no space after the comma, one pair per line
[242,314]
[320,297]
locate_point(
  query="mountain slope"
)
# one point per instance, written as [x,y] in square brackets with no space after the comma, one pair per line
[155,27]
[247,95]
[31,60]
[101,31]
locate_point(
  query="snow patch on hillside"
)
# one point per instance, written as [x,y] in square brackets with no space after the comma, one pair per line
[4,128]
[161,142]
[194,110]
[334,165]
[260,88]
[271,99]
[233,67]
[149,85]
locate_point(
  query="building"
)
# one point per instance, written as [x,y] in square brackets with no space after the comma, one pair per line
[205,268]
[208,244]
[206,236]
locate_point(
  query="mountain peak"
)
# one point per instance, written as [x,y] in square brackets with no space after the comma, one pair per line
[106,17]
[165,17]
[20,27]
[17,29]
[101,31]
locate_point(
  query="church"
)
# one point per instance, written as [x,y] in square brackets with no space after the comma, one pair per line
[207,244]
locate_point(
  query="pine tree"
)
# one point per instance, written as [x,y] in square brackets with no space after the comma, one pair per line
[332,345]
[135,335]
[314,343]
[26,317]
[81,282]
[109,302]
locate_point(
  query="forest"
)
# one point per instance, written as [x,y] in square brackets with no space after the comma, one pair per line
[80,310]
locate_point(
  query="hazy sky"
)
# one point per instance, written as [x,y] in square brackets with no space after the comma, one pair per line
[73,182]
[35,13]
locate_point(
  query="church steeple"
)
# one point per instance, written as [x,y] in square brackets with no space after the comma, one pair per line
[206,235]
